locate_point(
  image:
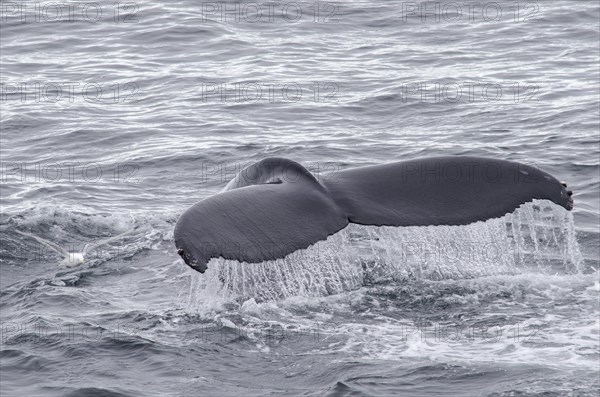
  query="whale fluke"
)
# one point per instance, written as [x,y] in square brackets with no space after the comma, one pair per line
[276,206]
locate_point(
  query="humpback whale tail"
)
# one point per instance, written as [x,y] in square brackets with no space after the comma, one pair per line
[276,206]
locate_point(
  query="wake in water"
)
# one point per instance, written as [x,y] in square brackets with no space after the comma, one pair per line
[62,236]
[539,235]
[72,259]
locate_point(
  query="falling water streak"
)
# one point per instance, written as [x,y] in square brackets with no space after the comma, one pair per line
[572,253]
[532,224]
[360,254]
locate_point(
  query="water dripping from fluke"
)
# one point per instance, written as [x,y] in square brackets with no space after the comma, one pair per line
[537,237]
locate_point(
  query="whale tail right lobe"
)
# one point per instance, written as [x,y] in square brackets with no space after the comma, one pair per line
[453,190]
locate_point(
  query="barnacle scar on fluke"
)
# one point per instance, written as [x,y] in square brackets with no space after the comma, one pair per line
[276,206]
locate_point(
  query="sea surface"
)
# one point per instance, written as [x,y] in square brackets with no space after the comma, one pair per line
[116,117]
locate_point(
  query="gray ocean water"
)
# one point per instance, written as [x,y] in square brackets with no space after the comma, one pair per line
[116,117]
